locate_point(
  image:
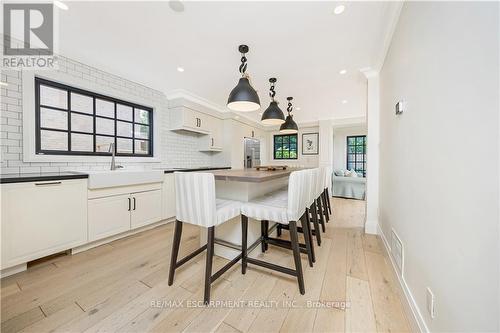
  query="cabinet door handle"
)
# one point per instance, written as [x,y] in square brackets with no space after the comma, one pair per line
[134,203]
[212,142]
[197,122]
[129,204]
[200,122]
[49,183]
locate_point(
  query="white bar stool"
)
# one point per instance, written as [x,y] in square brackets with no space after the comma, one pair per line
[196,204]
[328,183]
[320,209]
[286,211]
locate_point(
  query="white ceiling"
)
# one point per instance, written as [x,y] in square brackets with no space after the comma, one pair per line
[303,44]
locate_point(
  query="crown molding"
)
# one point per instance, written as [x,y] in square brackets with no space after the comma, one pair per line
[393,12]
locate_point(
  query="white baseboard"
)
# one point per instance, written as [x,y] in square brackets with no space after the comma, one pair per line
[13,270]
[109,239]
[411,307]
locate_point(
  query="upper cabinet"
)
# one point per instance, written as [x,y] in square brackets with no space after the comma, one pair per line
[186,119]
[213,141]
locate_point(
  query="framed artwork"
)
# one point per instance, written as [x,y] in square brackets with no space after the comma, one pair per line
[310,144]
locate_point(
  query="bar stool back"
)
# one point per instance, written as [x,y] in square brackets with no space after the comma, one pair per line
[286,211]
[328,184]
[196,204]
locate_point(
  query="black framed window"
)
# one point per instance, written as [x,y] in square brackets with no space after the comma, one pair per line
[72,121]
[285,147]
[356,154]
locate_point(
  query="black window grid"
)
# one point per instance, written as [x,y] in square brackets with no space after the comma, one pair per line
[42,82]
[352,160]
[289,149]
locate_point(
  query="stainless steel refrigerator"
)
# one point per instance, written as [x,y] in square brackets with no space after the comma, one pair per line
[252,152]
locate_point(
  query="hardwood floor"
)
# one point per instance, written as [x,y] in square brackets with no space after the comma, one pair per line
[122,287]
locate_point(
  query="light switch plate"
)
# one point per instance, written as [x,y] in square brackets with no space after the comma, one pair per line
[400,107]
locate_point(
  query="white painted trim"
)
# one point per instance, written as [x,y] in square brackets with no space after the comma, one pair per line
[371,227]
[124,234]
[28,84]
[182,94]
[417,319]
[393,12]
[13,270]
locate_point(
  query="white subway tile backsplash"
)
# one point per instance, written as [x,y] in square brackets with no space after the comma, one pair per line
[175,150]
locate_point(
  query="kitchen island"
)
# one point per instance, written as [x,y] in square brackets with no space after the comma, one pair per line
[242,185]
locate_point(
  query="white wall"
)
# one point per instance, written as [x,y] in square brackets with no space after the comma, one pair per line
[340,144]
[439,163]
[304,160]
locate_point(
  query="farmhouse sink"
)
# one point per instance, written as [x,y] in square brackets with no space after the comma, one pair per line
[102,179]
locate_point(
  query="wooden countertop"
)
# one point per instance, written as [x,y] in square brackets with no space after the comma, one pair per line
[251,175]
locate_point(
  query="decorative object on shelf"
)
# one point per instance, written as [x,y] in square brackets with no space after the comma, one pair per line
[271,167]
[243,97]
[289,126]
[310,144]
[273,114]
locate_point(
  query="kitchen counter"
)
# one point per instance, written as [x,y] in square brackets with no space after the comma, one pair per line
[55,176]
[194,169]
[38,177]
[251,175]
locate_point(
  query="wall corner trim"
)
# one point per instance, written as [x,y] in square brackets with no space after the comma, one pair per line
[371,227]
[411,308]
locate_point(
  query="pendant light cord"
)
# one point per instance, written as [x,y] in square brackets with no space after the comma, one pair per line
[289,108]
[272,93]
[243,66]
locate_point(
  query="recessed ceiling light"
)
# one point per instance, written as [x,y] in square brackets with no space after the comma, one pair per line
[180,69]
[176,6]
[4,84]
[61,5]
[237,117]
[297,108]
[344,101]
[342,72]
[339,9]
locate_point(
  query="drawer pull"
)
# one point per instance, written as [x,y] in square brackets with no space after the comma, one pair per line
[134,203]
[129,204]
[47,184]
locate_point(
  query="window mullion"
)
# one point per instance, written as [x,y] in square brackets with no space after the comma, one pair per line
[69,120]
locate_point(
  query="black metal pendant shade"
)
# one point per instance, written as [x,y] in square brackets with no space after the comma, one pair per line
[243,97]
[289,126]
[273,115]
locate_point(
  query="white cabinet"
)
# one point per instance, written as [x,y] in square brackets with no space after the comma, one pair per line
[213,141]
[42,218]
[108,216]
[168,200]
[186,119]
[116,210]
[146,208]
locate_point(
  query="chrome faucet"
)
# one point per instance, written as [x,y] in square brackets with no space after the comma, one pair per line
[112,150]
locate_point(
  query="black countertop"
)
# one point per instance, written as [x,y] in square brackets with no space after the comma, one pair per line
[43,176]
[54,176]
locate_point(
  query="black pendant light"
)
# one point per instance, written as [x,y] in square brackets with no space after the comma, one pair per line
[289,126]
[243,97]
[273,114]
